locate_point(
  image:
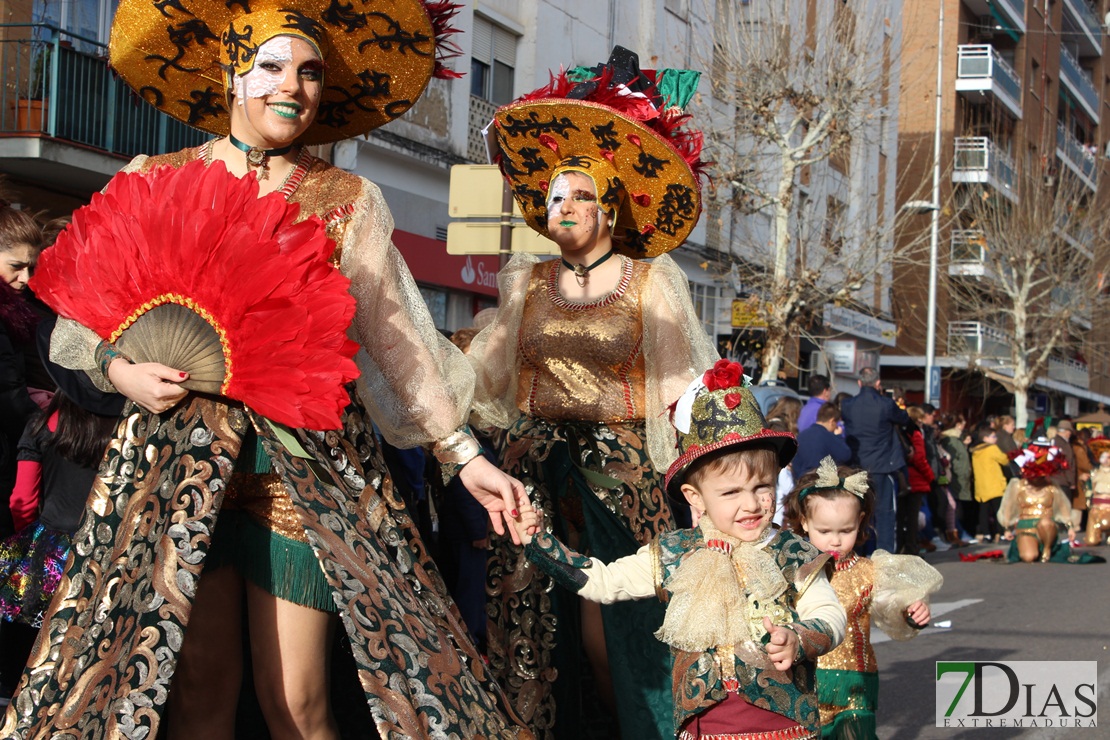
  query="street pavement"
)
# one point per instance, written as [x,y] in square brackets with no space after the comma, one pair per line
[997,611]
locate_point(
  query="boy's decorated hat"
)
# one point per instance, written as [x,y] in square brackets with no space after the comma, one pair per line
[718,411]
[623,127]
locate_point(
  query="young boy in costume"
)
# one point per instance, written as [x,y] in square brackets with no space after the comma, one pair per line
[749,607]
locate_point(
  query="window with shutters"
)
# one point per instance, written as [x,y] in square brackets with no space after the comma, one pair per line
[492,62]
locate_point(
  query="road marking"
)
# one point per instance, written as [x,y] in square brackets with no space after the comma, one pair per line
[937,610]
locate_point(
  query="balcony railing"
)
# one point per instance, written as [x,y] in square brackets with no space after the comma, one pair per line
[1078,157]
[981,69]
[1078,80]
[1069,371]
[974,338]
[50,88]
[1090,28]
[979,160]
[968,254]
[1012,11]
[481,113]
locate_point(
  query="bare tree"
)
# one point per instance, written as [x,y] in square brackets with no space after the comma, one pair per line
[800,99]
[1032,264]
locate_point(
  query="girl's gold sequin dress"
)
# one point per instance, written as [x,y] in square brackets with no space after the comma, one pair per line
[581,390]
[879,588]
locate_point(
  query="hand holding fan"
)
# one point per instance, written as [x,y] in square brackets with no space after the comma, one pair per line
[190,268]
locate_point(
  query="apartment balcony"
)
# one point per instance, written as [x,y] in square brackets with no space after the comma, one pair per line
[1010,12]
[1078,158]
[983,75]
[1077,81]
[65,119]
[1071,372]
[968,255]
[978,160]
[977,339]
[481,113]
[1081,23]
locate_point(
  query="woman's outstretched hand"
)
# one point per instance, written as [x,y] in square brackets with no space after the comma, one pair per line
[500,494]
[153,386]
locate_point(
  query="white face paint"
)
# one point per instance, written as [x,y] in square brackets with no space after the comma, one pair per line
[559,189]
[260,82]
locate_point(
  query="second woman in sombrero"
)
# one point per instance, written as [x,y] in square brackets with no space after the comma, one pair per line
[585,354]
[149,614]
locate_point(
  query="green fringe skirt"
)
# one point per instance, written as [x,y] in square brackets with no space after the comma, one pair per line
[278,565]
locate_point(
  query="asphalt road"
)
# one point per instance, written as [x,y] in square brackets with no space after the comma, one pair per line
[997,611]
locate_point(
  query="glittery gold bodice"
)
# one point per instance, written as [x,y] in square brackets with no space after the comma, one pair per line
[854,582]
[583,361]
[1035,502]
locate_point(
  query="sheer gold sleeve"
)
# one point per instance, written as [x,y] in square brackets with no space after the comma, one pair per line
[900,580]
[73,346]
[495,351]
[676,350]
[417,385]
[1009,511]
[1061,507]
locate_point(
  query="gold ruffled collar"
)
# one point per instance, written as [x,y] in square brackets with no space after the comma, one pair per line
[711,589]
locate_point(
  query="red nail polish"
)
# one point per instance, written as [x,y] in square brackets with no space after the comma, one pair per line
[514,512]
[183,374]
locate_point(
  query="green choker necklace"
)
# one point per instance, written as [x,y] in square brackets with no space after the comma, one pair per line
[582,272]
[258,157]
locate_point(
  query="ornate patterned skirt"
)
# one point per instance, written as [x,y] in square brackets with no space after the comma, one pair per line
[31,565]
[599,493]
[139,553]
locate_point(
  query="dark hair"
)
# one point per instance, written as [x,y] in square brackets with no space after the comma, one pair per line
[928,408]
[81,436]
[793,512]
[839,400]
[818,384]
[17,226]
[981,431]
[828,412]
[951,419]
[787,409]
[760,459]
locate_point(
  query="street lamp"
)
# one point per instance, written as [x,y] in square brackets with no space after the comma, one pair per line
[933,206]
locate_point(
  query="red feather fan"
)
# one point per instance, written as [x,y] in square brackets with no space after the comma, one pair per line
[201,238]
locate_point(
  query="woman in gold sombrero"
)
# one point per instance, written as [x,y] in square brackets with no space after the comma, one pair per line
[309,528]
[579,366]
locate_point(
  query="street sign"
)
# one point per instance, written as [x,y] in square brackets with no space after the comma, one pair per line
[476,194]
[484,237]
[745,315]
[934,386]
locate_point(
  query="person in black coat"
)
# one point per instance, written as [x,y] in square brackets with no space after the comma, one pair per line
[872,423]
[819,440]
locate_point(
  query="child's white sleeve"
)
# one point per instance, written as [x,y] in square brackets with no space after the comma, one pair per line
[818,601]
[625,579]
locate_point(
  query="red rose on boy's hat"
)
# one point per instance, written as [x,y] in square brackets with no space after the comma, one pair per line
[722,375]
[732,400]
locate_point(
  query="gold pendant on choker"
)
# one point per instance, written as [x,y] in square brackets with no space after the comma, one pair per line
[258,158]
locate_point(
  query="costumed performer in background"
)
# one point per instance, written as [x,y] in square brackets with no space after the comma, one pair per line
[584,356]
[1033,505]
[311,527]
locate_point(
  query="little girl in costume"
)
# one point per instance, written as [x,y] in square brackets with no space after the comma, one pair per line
[1098,516]
[749,607]
[830,505]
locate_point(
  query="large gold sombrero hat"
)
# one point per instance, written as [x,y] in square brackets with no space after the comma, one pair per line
[623,127]
[380,54]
